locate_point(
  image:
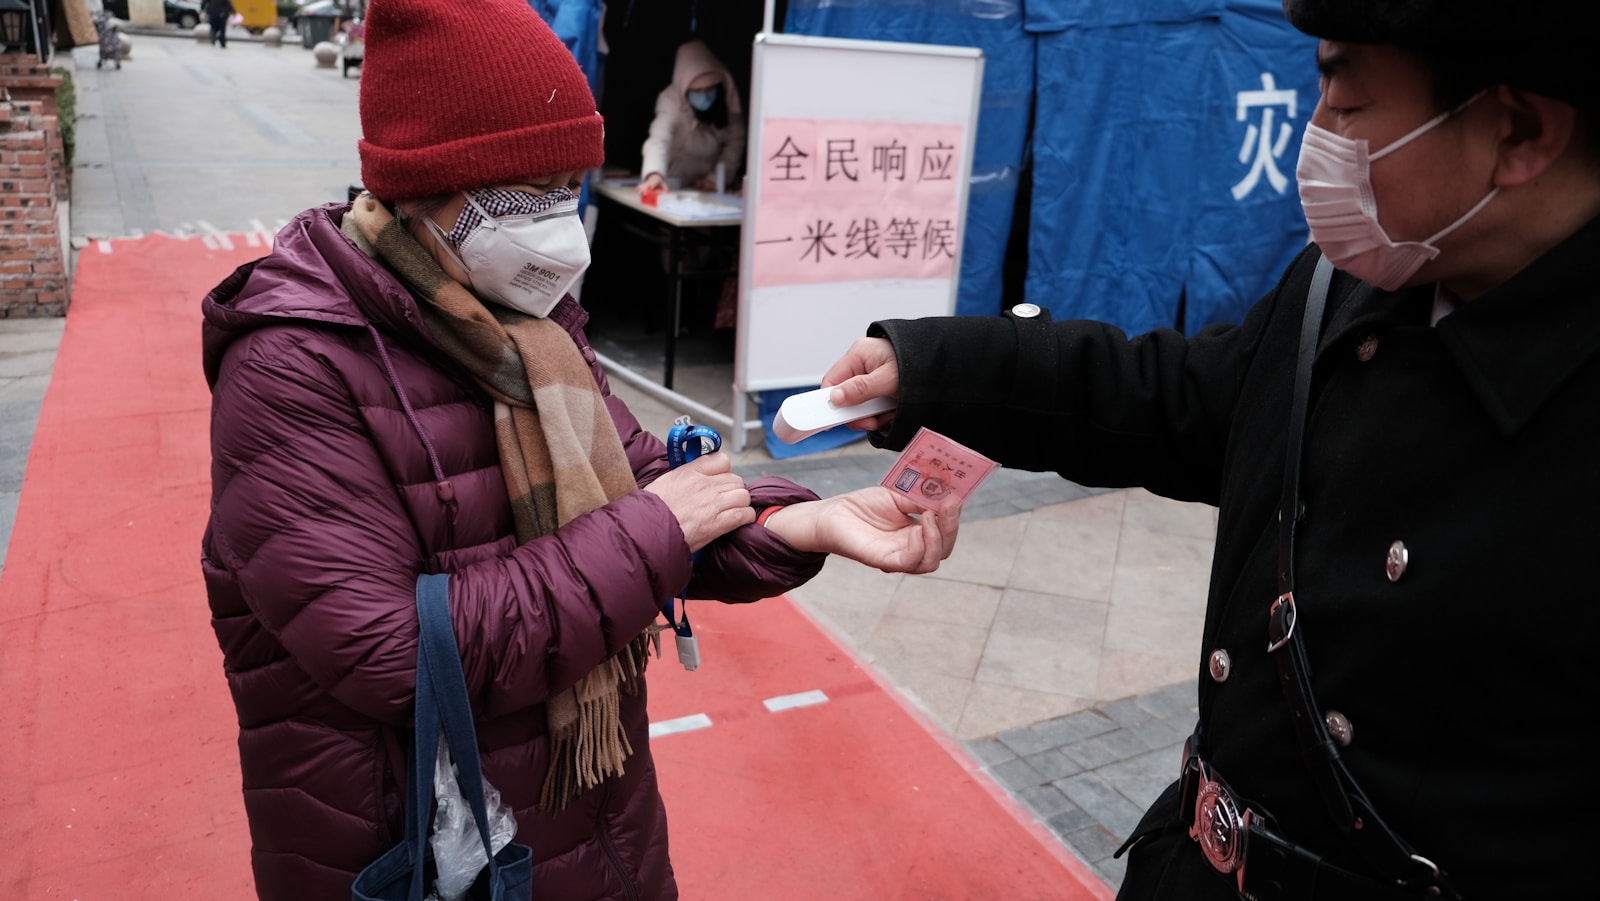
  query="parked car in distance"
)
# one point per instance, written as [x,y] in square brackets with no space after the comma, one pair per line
[181,13]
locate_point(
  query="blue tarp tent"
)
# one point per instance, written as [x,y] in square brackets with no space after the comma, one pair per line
[1164,151]
[1163,146]
[577,24]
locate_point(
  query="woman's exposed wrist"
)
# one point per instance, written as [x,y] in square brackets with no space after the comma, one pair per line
[793,524]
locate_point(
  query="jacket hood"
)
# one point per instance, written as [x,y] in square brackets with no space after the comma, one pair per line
[314,274]
[696,59]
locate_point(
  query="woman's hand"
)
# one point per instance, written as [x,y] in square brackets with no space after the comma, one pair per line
[867,370]
[706,496]
[874,526]
[652,182]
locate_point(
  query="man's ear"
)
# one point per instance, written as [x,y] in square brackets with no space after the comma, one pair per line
[1536,133]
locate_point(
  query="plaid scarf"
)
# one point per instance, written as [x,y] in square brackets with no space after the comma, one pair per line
[561,456]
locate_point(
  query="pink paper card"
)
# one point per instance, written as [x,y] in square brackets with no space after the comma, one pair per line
[934,470]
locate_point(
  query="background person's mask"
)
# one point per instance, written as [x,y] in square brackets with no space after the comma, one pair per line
[703,100]
[523,260]
[1335,182]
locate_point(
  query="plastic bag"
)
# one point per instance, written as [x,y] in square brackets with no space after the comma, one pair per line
[457,849]
[236,19]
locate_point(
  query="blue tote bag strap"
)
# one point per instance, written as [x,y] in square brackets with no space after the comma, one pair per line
[401,873]
[424,752]
[442,702]
[449,683]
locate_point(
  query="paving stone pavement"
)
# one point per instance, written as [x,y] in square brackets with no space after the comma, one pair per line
[1090,776]
[27,352]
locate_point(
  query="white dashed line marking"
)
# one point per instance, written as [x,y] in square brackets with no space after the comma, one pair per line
[788,702]
[681,724]
[702,721]
[214,233]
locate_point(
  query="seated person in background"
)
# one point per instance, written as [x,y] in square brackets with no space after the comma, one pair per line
[699,123]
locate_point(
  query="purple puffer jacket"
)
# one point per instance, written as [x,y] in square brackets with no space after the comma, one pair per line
[349,455]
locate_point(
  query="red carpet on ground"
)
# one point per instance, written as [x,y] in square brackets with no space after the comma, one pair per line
[122,776]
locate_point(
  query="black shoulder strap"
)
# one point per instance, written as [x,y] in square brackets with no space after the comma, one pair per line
[1352,812]
[1289,512]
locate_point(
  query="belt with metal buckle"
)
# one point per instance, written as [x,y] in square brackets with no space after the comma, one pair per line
[1218,825]
[1241,842]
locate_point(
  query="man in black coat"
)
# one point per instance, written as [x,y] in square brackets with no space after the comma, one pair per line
[1396,698]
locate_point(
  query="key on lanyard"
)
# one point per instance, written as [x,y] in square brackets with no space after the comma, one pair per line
[684,443]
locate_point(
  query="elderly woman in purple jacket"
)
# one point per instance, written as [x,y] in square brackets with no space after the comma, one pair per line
[404,386]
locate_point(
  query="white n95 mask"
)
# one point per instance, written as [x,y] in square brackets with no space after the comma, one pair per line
[522,251]
[1335,182]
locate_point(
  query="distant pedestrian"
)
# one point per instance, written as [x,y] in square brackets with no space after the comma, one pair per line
[217,13]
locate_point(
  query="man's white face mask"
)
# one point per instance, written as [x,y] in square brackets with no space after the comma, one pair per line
[522,251]
[1336,195]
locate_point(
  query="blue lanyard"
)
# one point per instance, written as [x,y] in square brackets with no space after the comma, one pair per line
[685,443]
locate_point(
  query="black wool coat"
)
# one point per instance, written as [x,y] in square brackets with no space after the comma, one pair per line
[1471,679]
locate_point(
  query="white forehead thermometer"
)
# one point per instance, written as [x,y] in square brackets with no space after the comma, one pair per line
[803,415]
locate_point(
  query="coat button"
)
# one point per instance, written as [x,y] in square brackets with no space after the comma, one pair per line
[1395,566]
[1220,665]
[588,354]
[1366,347]
[1025,310]
[1339,728]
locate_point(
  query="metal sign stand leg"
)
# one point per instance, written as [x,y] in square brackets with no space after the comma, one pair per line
[736,424]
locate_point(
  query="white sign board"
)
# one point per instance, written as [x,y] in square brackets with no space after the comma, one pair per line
[856,192]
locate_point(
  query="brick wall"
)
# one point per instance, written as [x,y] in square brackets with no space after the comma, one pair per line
[33,177]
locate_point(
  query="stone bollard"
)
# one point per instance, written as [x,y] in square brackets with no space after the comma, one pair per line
[202,33]
[327,53]
[124,46]
[272,37]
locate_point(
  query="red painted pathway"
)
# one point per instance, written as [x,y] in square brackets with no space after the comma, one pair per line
[121,774]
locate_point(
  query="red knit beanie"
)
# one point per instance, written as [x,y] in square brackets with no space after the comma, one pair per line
[460,94]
